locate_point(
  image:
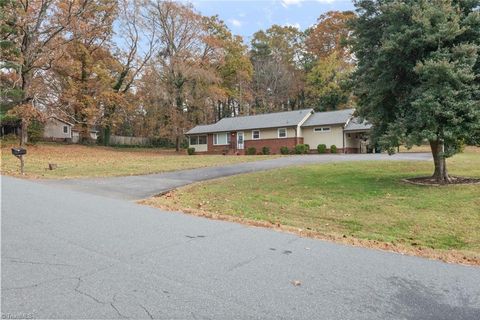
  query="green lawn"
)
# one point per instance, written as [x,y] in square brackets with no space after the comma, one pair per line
[76,161]
[364,200]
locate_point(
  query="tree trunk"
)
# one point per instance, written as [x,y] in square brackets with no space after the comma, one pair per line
[107,132]
[440,173]
[23,133]
[177,143]
[26,80]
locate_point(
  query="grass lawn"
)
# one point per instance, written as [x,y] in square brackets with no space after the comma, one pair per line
[76,161]
[363,202]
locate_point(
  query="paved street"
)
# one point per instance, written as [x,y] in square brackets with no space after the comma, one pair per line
[141,187]
[69,254]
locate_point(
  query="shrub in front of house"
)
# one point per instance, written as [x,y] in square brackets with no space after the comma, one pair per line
[251,151]
[301,149]
[284,150]
[307,146]
[322,148]
[333,148]
[191,151]
[265,150]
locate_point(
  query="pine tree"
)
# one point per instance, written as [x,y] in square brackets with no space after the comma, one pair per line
[418,74]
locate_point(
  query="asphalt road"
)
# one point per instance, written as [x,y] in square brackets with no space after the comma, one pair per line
[144,186]
[68,254]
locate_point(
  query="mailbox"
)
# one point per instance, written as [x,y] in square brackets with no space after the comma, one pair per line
[19,151]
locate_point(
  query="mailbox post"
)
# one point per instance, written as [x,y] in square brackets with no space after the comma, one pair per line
[20,153]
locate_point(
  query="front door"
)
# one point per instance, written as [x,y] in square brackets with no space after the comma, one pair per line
[240,140]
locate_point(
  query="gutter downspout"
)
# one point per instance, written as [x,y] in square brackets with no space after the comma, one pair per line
[299,126]
[343,132]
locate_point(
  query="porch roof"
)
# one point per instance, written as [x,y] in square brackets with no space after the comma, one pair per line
[356,125]
[329,117]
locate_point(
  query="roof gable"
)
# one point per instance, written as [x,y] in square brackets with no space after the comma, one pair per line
[60,120]
[329,117]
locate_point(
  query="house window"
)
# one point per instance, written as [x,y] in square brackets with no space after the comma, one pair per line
[256,134]
[65,129]
[282,132]
[194,140]
[202,139]
[321,129]
[221,138]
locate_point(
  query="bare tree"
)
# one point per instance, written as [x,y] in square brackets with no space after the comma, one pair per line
[179,61]
[43,27]
[136,43]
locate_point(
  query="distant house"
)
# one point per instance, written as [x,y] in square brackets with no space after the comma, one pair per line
[93,134]
[282,129]
[57,129]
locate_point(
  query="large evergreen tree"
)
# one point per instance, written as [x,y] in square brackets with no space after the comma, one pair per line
[418,73]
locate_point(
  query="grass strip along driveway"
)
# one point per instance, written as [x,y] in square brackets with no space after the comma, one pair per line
[361,203]
[75,161]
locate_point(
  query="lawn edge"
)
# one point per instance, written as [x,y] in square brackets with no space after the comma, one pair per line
[34,176]
[448,256]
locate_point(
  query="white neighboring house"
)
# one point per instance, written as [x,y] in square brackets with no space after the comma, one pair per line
[57,129]
[76,135]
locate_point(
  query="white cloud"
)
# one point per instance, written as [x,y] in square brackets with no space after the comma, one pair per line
[286,3]
[329,1]
[235,22]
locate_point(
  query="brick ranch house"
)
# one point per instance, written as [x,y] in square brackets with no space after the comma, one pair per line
[282,129]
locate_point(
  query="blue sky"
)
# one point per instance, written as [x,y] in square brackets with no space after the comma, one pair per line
[248,16]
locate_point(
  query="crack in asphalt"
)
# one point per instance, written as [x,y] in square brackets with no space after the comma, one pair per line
[95,299]
[37,284]
[146,311]
[114,300]
[118,312]
[20,261]
[86,294]
[73,243]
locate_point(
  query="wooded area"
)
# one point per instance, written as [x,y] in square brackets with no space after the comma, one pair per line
[155,68]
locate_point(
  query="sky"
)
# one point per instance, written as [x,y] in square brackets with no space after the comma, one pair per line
[245,17]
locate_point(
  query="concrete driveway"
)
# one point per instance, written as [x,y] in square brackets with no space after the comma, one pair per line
[73,255]
[144,186]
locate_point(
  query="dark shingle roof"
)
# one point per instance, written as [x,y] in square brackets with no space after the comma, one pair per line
[268,120]
[329,117]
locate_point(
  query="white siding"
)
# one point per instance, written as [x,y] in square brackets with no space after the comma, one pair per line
[54,129]
[199,147]
[269,133]
[334,136]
